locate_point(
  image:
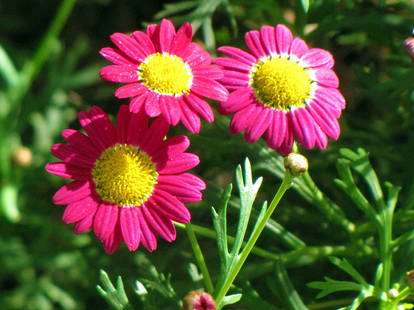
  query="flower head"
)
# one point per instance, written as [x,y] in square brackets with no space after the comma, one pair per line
[282,89]
[198,300]
[129,182]
[166,74]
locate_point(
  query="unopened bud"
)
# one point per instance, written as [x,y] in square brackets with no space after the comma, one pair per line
[410,279]
[22,156]
[198,300]
[296,164]
[409,45]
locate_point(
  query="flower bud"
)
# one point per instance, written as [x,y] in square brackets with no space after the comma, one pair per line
[296,164]
[409,45]
[22,156]
[198,300]
[410,279]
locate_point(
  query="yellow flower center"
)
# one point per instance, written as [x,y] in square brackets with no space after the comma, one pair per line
[166,74]
[124,175]
[280,83]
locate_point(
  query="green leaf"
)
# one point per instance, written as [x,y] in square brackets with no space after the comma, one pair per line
[115,297]
[331,286]
[7,68]
[8,196]
[230,299]
[349,269]
[305,5]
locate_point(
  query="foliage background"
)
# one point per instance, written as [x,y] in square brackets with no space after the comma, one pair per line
[46,266]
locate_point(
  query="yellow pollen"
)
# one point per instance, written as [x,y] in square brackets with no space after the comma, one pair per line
[124,175]
[166,74]
[280,83]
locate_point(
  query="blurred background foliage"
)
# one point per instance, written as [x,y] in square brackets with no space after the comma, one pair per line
[45,82]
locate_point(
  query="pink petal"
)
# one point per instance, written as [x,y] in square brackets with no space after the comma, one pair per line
[179,164]
[254,43]
[99,127]
[148,238]
[105,220]
[170,206]
[137,103]
[78,210]
[329,98]
[122,122]
[112,242]
[129,46]
[170,148]
[283,39]
[237,100]
[158,222]
[116,56]
[74,191]
[84,224]
[268,39]
[120,73]
[326,77]
[233,64]
[260,125]
[81,142]
[210,89]
[152,105]
[137,125]
[200,106]
[192,180]
[130,90]
[170,109]
[195,55]
[238,54]
[153,33]
[70,155]
[208,71]
[302,124]
[128,220]
[242,119]
[190,120]
[178,189]
[316,57]
[298,47]
[326,120]
[68,171]
[182,39]
[286,146]
[153,137]
[321,139]
[277,130]
[234,80]
[167,34]
[144,43]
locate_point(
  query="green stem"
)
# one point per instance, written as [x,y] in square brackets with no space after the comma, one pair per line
[32,67]
[199,258]
[286,184]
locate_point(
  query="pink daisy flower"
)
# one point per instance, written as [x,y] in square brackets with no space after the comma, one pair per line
[282,89]
[166,74]
[129,183]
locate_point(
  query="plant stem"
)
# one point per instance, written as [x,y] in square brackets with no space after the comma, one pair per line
[199,258]
[286,184]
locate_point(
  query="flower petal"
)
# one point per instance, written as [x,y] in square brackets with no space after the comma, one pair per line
[268,39]
[170,109]
[105,220]
[170,206]
[260,124]
[238,54]
[154,136]
[144,43]
[315,58]
[178,189]
[190,120]
[84,224]
[200,106]
[302,124]
[68,171]
[70,155]
[242,119]
[167,34]
[209,88]
[182,39]
[283,39]
[195,55]
[326,77]
[158,222]
[130,228]
[74,191]
[81,142]
[298,47]
[120,73]
[130,90]
[286,146]
[179,164]
[112,242]
[277,130]
[116,56]
[232,64]
[192,180]
[254,43]
[326,120]
[237,100]
[170,148]
[148,238]
[78,210]
[208,71]
[129,46]
[138,123]
[122,122]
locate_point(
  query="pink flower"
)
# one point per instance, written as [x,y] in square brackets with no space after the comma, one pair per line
[282,89]
[129,183]
[166,74]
